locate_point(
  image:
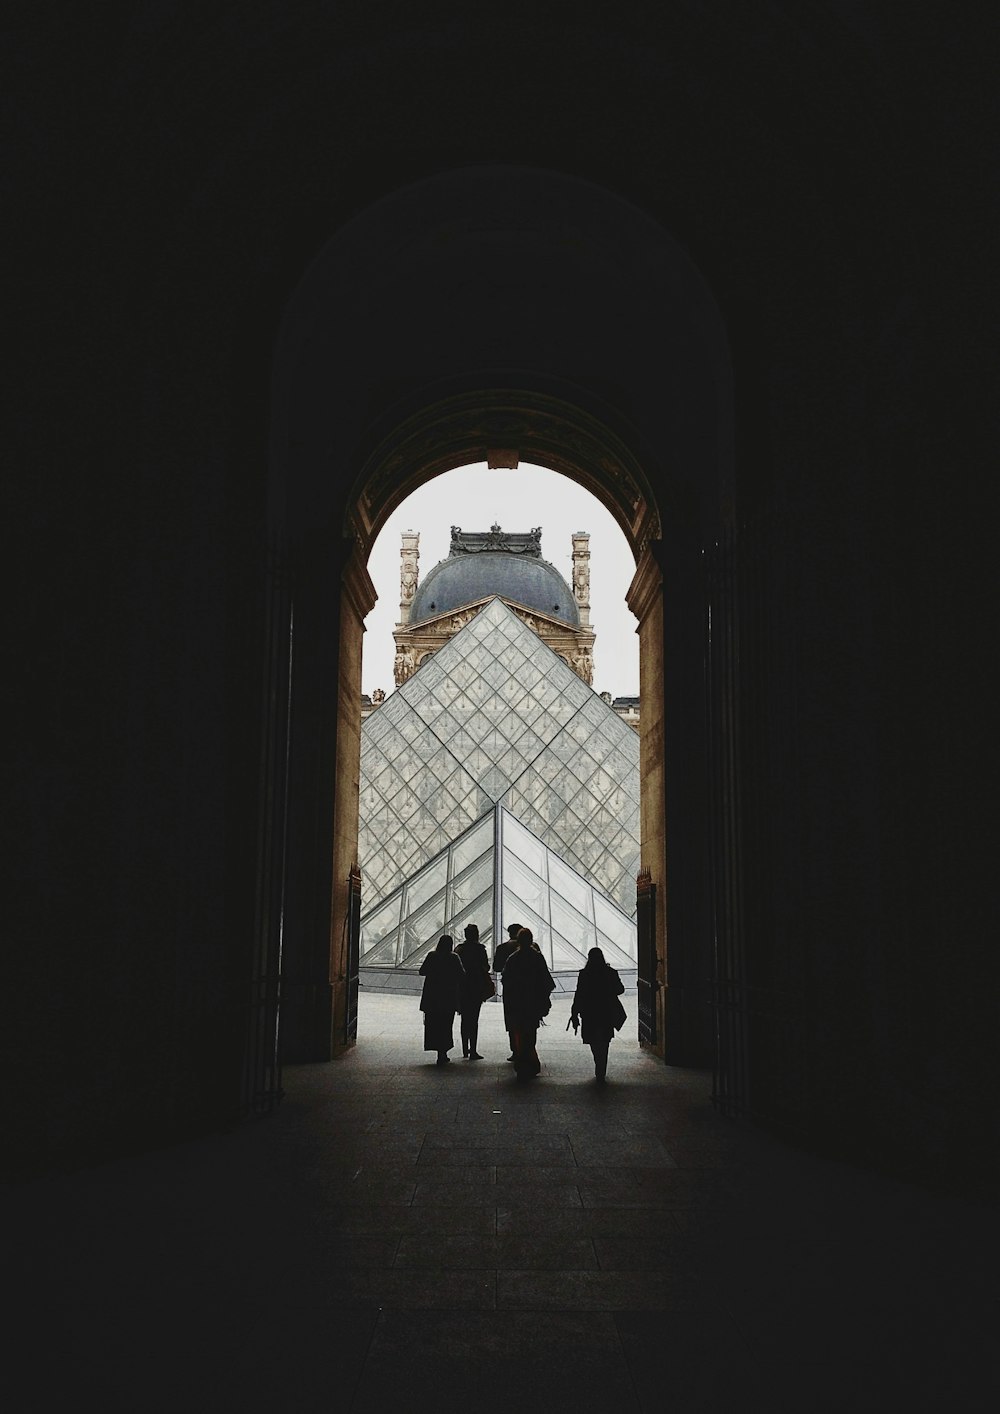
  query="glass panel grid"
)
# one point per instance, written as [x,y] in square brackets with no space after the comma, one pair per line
[423,885]
[475,881]
[501,703]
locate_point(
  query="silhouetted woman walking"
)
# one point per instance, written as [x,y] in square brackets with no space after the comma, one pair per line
[440,998]
[598,988]
[477,985]
[527,984]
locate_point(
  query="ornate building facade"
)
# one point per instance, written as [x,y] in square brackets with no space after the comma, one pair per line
[479,565]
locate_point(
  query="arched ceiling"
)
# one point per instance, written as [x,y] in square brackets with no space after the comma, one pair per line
[500,308]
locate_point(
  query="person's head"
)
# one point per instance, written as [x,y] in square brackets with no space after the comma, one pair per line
[444,943]
[471,933]
[512,931]
[595,958]
[525,938]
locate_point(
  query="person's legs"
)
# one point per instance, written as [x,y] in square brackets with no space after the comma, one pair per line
[439,1034]
[471,1023]
[467,1044]
[526,1061]
[600,1051]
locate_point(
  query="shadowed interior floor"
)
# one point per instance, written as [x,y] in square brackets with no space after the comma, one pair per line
[400,1233]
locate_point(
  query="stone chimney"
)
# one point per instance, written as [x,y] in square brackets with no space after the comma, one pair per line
[409,557]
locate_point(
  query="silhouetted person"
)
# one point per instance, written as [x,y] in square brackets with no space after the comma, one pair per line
[477,985]
[505,949]
[440,998]
[500,957]
[595,1001]
[527,985]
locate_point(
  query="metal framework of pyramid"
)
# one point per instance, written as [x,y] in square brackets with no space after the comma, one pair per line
[496,786]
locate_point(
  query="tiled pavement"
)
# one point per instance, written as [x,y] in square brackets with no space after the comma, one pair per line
[403,1234]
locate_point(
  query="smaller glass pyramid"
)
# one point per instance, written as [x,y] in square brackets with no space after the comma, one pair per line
[537,889]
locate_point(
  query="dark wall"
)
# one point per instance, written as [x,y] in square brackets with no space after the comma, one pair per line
[174,172]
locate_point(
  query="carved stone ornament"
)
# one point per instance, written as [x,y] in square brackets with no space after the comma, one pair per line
[472,542]
[583,665]
[403,665]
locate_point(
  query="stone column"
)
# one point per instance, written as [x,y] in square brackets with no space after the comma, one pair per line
[409,558]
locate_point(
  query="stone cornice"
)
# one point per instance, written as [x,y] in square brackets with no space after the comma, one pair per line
[358,587]
[646,586]
[441,621]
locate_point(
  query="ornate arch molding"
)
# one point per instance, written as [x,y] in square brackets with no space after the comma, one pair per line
[504,427]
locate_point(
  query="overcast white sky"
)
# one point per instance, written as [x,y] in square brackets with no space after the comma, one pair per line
[474,497]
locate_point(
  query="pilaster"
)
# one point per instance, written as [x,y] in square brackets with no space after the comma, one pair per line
[358,597]
[581,576]
[645,599]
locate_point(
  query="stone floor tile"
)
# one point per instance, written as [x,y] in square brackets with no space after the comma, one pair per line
[414,1288]
[495,1149]
[363,1189]
[456,1195]
[621,1189]
[438,1156]
[557,1193]
[447,1250]
[630,1150]
[381,1218]
[594,1291]
[570,1361]
[669,1251]
[369,1168]
[529,1175]
[545,1252]
[698,1153]
[575,1222]
[692,1360]
[448,1174]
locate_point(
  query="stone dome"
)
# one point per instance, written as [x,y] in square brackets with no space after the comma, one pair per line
[523,579]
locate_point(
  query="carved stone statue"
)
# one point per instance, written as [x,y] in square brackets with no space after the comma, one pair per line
[378,697]
[403,664]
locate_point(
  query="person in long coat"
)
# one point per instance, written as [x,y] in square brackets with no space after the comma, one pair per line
[595,1001]
[527,985]
[440,998]
[476,982]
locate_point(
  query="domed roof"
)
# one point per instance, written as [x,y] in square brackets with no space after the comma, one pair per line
[524,579]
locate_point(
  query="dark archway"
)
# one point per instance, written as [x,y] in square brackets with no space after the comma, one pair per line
[550,321]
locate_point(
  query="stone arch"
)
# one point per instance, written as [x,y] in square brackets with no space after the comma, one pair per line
[624,385]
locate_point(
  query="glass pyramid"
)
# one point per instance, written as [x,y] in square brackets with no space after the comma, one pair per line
[493,733]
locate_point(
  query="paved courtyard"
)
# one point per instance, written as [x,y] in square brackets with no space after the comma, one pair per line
[404,1234]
